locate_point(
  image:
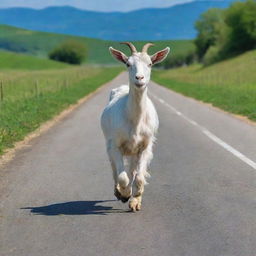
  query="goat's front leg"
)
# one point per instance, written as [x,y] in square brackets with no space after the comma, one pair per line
[122,189]
[138,168]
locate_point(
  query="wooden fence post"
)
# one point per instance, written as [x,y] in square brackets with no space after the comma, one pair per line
[36,88]
[1,91]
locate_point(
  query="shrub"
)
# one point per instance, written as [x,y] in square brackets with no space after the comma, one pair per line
[179,60]
[208,27]
[212,55]
[241,19]
[73,52]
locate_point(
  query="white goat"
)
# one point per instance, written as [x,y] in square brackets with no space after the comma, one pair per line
[129,123]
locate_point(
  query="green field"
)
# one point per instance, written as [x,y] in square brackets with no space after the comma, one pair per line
[34,90]
[230,85]
[11,60]
[40,43]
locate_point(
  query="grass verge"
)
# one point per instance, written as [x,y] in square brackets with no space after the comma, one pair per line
[229,85]
[22,115]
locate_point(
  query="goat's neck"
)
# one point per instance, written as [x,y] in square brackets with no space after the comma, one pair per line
[136,105]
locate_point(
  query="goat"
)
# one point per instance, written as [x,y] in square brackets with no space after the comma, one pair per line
[129,123]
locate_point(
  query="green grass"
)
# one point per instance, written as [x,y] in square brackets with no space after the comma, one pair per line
[33,97]
[40,43]
[230,85]
[10,60]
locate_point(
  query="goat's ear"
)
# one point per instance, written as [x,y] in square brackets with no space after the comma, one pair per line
[118,55]
[160,56]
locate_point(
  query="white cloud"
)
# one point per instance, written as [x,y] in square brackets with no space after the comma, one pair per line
[96,5]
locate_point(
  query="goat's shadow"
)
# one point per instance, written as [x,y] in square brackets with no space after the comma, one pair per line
[75,208]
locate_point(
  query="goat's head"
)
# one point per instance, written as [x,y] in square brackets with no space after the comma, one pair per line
[139,63]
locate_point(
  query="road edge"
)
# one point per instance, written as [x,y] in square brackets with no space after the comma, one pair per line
[43,128]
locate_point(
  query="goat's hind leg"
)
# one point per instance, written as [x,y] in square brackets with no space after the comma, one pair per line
[122,189]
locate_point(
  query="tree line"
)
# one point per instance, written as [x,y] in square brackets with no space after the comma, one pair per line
[221,34]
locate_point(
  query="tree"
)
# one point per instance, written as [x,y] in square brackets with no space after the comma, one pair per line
[71,51]
[208,29]
[225,33]
[240,17]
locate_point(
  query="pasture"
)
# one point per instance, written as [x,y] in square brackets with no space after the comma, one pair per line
[15,61]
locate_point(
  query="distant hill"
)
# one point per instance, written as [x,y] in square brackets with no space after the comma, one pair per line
[176,22]
[40,43]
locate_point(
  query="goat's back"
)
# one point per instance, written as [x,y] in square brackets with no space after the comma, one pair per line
[118,92]
[112,117]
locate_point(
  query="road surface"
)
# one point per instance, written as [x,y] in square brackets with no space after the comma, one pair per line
[201,199]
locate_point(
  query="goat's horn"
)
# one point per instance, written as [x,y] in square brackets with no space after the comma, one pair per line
[131,46]
[146,46]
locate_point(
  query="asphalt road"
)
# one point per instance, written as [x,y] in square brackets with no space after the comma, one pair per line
[58,192]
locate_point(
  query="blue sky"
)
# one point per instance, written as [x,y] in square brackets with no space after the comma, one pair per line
[96,5]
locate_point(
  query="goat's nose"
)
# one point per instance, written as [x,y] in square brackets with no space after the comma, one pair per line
[139,77]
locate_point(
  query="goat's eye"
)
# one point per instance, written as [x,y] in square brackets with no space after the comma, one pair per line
[150,65]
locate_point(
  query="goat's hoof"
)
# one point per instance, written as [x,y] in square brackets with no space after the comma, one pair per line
[125,199]
[120,197]
[135,204]
[138,207]
[117,194]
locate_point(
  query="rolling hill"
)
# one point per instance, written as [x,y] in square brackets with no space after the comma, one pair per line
[11,60]
[176,22]
[40,43]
